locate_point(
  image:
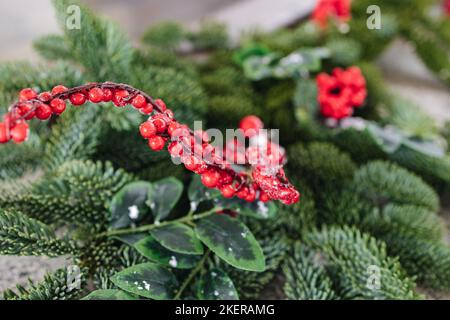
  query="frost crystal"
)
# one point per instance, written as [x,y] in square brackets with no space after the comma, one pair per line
[133,212]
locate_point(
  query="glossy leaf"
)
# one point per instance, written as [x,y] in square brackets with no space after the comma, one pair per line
[147,280]
[216,285]
[163,196]
[179,238]
[255,209]
[128,205]
[198,193]
[154,251]
[232,241]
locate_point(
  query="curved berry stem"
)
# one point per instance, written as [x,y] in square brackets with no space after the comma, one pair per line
[262,181]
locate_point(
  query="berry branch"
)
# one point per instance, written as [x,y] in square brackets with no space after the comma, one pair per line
[261,177]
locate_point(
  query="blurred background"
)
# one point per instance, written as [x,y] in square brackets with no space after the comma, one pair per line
[23,21]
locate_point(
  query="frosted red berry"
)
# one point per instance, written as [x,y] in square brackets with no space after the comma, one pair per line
[147,130]
[227,191]
[58,89]
[43,112]
[160,125]
[175,149]
[96,95]
[147,109]
[250,125]
[26,110]
[119,98]
[156,143]
[161,104]
[77,99]
[139,101]
[107,95]
[27,94]
[45,96]
[3,133]
[210,178]
[19,133]
[58,106]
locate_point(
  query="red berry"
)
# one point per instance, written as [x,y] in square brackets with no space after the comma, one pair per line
[148,109]
[227,191]
[161,104]
[175,149]
[191,163]
[107,95]
[250,125]
[160,125]
[139,101]
[43,112]
[45,96]
[251,196]
[119,98]
[58,106]
[77,99]
[147,130]
[24,110]
[210,178]
[156,143]
[27,94]
[58,89]
[169,113]
[172,127]
[96,95]
[263,197]
[19,132]
[242,193]
[3,133]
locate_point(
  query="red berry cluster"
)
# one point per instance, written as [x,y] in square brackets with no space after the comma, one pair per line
[335,9]
[192,148]
[340,92]
[447,7]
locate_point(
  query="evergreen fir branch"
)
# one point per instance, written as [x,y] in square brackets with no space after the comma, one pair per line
[127,150]
[53,287]
[428,261]
[78,193]
[382,182]
[100,45]
[53,47]
[433,169]
[305,278]
[18,75]
[166,35]
[321,165]
[185,96]
[16,160]
[211,35]
[350,255]
[21,235]
[74,137]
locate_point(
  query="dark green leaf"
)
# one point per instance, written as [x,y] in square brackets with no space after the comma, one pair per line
[163,196]
[128,205]
[131,238]
[109,295]
[197,192]
[147,280]
[232,241]
[255,209]
[216,285]
[153,250]
[179,238]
